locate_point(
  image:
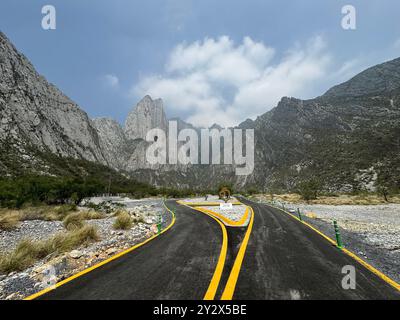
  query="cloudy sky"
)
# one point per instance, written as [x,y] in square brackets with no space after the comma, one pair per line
[210,61]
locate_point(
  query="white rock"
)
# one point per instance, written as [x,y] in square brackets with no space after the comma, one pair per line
[12,296]
[111,251]
[75,254]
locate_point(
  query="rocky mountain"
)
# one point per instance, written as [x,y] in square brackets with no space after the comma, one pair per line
[35,115]
[380,79]
[347,139]
[125,147]
[113,142]
[147,115]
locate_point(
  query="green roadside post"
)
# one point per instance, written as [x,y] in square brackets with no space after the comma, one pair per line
[159,225]
[299,213]
[338,236]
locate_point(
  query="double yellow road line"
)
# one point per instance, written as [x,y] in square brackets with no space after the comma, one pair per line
[230,285]
[234,275]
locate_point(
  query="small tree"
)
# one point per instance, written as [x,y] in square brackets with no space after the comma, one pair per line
[225,191]
[385,183]
[383,191]
[309,190]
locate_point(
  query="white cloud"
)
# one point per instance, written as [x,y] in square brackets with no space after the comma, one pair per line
[215,80]
[111,80]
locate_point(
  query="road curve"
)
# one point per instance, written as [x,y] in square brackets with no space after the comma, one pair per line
[285,259]
[179,264]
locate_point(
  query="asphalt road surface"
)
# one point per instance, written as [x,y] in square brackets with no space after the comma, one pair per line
[284,259]
[179,264]
[287,260]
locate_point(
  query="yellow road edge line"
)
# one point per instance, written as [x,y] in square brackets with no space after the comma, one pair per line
[230,223]
[118,255]
[372,269]
[234,275]
[216,278]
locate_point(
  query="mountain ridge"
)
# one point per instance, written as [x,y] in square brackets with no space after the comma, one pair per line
[346,137]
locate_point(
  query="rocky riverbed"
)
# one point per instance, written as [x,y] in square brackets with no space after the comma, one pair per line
[52,269]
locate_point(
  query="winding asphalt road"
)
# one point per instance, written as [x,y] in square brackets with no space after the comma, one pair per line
[179,264]
[284,259]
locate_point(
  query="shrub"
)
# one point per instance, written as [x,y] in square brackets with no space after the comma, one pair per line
[309,190]
[123,220]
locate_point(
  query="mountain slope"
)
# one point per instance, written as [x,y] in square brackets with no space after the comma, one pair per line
[37,115]
[380,79]
[345,138]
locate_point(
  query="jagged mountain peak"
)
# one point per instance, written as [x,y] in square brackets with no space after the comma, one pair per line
[148,114]
[149,102]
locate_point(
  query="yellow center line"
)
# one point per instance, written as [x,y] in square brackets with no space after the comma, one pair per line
[79,274]
[234,275]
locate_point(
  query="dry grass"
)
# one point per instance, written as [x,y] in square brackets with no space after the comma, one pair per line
[28,252]
[9,220]
[73,221]
[63,242]
[76,220]
[123,220]
[343,199]
[92,215]
[46,213]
